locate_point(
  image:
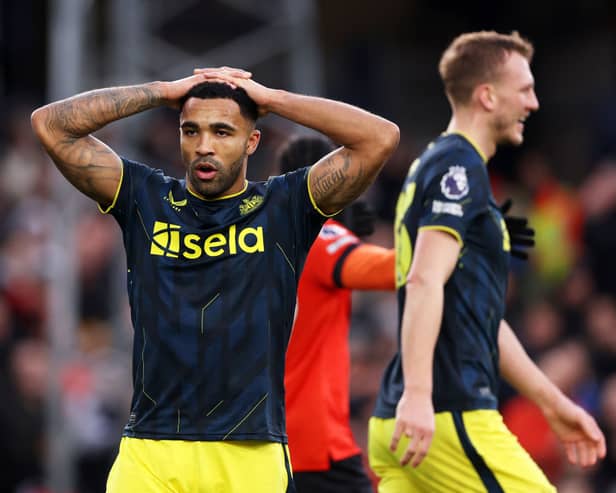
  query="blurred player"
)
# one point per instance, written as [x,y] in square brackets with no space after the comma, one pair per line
[436,427]
[324,454]
[213,265]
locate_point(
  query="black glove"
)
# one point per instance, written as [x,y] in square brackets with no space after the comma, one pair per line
[520,234]
[359,217]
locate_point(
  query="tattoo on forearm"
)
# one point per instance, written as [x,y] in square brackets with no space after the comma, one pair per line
[88,112]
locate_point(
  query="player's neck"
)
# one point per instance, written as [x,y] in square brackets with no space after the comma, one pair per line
[474,128]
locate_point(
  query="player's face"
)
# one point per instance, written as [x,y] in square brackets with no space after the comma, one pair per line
[516,100]
[216,141]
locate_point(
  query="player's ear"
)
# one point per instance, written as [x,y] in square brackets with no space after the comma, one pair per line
[485,96]
[253,141]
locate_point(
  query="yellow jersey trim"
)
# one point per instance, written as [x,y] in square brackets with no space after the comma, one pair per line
[115,197]
[314,204]
[230,196]
[445,229]
[471,142]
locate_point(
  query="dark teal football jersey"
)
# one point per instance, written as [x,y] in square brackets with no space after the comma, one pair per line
[448,189]
[212,289]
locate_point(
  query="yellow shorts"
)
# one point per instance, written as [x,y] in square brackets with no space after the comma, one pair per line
[176,466]
[472,451]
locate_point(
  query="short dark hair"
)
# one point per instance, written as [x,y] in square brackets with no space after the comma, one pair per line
[303,150]
[219,90]
[477,57]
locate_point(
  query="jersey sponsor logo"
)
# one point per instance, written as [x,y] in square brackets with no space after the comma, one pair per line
[454,183]
[175,204]
[452,208]
[250,204]
[168,240]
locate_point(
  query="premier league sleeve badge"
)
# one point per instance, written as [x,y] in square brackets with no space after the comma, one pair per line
[454,183]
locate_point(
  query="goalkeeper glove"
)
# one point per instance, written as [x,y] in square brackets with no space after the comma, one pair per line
[520,234]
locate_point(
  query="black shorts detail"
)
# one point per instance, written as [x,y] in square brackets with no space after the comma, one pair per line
[485,473]
[344,476]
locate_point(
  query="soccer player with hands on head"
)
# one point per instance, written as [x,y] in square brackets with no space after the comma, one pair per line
[213,265]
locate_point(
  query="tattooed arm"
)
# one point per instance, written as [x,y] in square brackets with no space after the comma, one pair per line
[367,140]
[65,127]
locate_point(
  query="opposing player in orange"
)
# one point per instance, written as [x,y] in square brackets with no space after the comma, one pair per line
[324,455]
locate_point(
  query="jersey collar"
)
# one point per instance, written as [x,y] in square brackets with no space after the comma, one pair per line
[471,142]
[230,196]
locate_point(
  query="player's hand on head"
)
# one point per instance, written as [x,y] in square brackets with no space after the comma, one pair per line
[225,75]
[260,94]
[415,422]
[521,236]
[174,91]
[224,71]
[582,438]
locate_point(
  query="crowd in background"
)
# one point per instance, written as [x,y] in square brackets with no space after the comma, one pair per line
[561,302]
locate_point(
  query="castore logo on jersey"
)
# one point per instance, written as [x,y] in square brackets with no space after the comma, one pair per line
[175,204]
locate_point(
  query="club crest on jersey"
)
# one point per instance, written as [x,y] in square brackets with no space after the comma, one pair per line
[454,183]
[250,204]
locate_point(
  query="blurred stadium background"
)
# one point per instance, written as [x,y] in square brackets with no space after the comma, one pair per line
[65,333]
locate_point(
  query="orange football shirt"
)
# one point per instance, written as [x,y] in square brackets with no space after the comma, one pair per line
[318,358]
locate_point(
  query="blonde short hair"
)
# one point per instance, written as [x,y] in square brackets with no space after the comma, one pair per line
[475,58]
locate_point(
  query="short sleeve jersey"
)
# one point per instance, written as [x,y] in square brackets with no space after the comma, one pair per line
[448,189]
[318,359]
[212,288]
